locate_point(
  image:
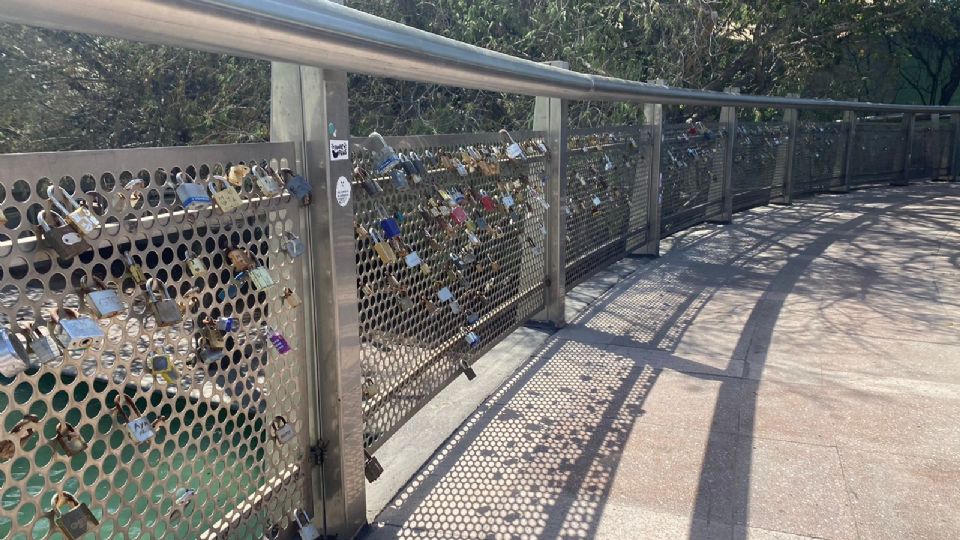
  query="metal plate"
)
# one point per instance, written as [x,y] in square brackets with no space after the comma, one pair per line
[877,153]
[215,437]
[931,151]
[408,355]
[818,157]
[598,235]
[759,162]
[692,169]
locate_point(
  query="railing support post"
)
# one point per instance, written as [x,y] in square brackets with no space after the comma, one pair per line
[309,106]
[550,116]
[954,147]
[728,121]
[850,123]
[909,133]
[653,118]
[791,118]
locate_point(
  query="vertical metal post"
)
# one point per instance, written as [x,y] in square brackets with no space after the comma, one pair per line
[850,121]
[728,119]
[791,118]
[550,115]
[955,147]
[909,133]
[653,118]
[934,148]
[310,106]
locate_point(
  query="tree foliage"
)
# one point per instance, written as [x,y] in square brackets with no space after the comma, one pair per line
[67,91]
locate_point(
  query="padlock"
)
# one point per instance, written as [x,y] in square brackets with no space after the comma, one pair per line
[103,300]
[372,469]
[191,194]
[291,298]
[459,215]
[383,249]
[260,277]
[237,174]
[410,169]
[507,201]
[13,356]
[399,179]
[63,238]
[214,337]
[277,340]
[513,150]
[391,229]
[281,430]
[207,354]
[139,427]
[183,498]
[79,216]
[69,440]
[300,187]
[241,259]
[165,309]
[412,259]
[419,165]
[76,522]
[43,346]
[369,184]
[305,527]
[293,245]
[266,182]
[225,195]
[162,368]
[75,332]
[487,202]
[460,168]
[134,270]
[472,318]
[464,366]
[384,156]
[196,266]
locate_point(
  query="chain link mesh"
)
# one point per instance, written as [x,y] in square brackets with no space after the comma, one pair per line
[412,342]
[213,432]
[692,169]
[608,175]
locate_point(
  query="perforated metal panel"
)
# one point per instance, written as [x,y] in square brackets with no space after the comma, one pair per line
[931,151]
[608,175]
[412,343]
[215,436]
[877,153]
[818,157]
[692,170]
[759,160]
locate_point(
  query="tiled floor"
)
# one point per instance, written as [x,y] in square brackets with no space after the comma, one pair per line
[793,375]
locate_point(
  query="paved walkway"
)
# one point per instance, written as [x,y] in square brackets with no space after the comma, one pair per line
[793,375]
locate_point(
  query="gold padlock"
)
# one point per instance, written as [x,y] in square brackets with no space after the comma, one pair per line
[237,174]
[291,298]
[224,194]
[77,521]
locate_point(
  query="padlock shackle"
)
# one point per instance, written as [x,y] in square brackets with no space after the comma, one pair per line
[118,407]
[378,137]
[184,178]
[503,132]
[65,427]
[64,497]
[42,219]
[150,286]
[278,418]
[23,423]
[217,183]
[55,201]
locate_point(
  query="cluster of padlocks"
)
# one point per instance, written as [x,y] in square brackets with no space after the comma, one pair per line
[69,228]
[691,166]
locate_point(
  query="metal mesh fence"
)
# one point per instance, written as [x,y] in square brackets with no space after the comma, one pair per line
[759,160]
[608,175]
[131,405]
[818,157]
[692,169]
[878,151]
[466,226]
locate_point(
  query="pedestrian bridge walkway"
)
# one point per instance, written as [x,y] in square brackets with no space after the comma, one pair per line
[795,374]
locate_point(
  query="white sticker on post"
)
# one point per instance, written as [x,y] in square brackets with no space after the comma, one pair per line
[339,150]
[343,191]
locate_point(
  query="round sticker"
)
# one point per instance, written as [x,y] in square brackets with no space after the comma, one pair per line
[343,191]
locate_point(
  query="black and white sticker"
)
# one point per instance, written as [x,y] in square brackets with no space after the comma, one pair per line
[339,150]
[343,191]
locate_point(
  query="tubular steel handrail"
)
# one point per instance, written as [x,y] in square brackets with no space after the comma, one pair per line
[324,34]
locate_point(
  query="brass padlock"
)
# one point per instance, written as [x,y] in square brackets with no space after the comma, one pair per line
[139,427]
[76,522]
[69,440]
[162,368]
[13,356]
[80,216]
[103,301]
[241,259]
[75,332]
[281,430]
[196,267]
[224,194]
[63,238]
[165,309]
[291,298]
[134,270]
[237,174]
[214,337]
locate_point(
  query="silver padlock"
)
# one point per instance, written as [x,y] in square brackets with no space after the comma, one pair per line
[192,194]
[165,309]
[306,528]
[139,427]
[260,277]
[104,301]
[293,245]
[13,356]
[43,346]
[268,185]
[282,430]
[80,216]
[63,238]
[75,332]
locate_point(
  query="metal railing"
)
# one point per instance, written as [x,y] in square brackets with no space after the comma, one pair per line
[476,251]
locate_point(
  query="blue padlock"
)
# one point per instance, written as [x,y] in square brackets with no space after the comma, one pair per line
[399,178]
[298,186]
[391,229]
